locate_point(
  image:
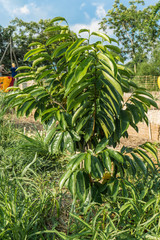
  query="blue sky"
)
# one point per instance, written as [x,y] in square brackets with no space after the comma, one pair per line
[78,13]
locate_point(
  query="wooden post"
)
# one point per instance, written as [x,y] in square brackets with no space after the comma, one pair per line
[150,131]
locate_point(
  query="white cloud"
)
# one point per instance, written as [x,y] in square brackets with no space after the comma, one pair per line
[100,11]
[19,10]
[92,26]
[22,10]
[94,22]
[82,5]
[6,4]
[86,15]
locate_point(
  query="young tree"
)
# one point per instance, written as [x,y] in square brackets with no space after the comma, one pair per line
[135,29]
[78,95]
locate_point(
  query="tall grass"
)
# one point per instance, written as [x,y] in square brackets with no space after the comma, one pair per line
[28,197]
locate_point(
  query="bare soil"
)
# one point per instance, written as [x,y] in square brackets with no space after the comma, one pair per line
[28,124]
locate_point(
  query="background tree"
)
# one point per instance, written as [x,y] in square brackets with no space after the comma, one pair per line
[150,66]
[23,34]
[5,34]
[134,29]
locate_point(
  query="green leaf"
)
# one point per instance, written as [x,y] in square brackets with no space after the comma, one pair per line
[102,35]
[108,119]
[59,51]
[74,46]
[56,28]
[25,79]
[114,83]
[76,136]
[65,177]
[44,74]
[80,72]
[23,68]
[103,125]
[108,61]
[106,160]
[77,90]
[132,188]
[84,30]
[133,168]
[38,61]
[135,113]
[124,190]
[146,158]
[30,109]
[76,160]
[81,49]
[81,220]
[72,183]
[35,44]
[115,188]
[149,203]
[33,52]
[115,155]
[56,19]
[140,163]
[58,37]
[56,143]
[87,163]
[68,142]
[146,100]
[81,123]
[75,103]
[25,74]
[89,129]
[50,133]
[97,168]
[149,147]
[25,106]
[114,48]
[101,145]
[80,112]
[124,121]
[81,186]
[133,84]
[28,166]
[142,92]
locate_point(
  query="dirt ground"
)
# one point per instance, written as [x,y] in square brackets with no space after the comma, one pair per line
[29,124]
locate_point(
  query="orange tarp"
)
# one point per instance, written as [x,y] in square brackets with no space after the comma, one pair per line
[6,82]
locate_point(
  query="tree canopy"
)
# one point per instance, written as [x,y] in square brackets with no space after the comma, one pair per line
[22,33]
[136,29]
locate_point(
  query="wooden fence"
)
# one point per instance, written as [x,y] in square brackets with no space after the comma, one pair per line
[148,82]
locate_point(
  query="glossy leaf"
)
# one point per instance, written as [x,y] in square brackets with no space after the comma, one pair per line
[116,155]
[68,142]
[102,35]
[140,163]
[101,145]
